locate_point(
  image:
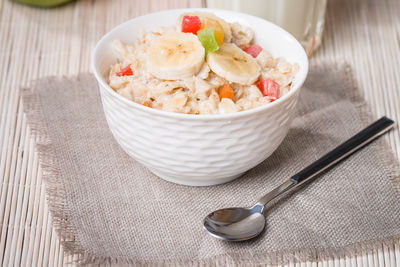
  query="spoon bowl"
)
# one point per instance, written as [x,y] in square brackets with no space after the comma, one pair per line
[235,224]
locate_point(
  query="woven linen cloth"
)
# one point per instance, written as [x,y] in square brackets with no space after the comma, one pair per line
[109,208]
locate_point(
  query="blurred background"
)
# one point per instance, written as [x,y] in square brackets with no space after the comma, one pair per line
[304,19]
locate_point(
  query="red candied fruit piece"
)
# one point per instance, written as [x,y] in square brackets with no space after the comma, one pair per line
[127,71]
[253,50]
[269,88]
[191,24]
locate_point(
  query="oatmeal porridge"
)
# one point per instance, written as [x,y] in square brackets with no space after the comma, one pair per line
[202,65]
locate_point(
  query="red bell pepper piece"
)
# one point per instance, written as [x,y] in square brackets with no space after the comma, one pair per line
[127,71]
[253,50]
[269,88]
[191,24]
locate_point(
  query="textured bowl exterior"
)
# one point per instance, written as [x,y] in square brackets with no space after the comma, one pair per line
[196,149]
[197,152]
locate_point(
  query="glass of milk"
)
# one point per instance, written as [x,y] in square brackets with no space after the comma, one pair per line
[304,19]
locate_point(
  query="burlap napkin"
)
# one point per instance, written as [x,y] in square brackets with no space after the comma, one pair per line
[107,207]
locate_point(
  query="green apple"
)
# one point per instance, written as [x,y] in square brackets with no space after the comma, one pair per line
[44,3]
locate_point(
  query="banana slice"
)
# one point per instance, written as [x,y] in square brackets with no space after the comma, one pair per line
[233,64]
[209,20]
[175,56]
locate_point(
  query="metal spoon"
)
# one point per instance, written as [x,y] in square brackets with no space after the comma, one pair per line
[237,224]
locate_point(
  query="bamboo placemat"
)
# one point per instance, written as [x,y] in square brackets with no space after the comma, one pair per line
[36,43]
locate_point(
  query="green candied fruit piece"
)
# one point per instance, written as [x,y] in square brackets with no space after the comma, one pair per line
[208,40]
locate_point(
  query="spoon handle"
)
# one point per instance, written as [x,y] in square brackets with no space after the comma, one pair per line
[356,142]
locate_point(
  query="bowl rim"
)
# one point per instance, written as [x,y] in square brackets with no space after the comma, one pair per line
[228,116]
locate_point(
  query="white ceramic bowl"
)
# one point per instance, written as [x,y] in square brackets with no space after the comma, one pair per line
[198,149]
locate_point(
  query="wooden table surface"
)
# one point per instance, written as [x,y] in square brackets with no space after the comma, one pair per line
[35,43]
